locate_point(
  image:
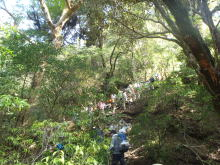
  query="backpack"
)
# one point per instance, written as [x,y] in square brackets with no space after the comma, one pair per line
[60,147]
[124,144]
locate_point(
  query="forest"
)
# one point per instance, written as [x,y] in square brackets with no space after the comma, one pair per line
[82,79]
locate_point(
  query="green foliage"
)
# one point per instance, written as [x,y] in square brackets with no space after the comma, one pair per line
[28,55]
[5,57]
[55,7]
[11,103]
[20,59]
[11,108]
[162,120]
[81,147]
[74,77]
[63,88]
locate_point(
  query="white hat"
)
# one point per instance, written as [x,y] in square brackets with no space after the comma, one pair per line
[123,130]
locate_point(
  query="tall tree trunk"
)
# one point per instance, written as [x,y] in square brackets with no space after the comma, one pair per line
[56,32]
[192,38]
[57,36]
[207,18]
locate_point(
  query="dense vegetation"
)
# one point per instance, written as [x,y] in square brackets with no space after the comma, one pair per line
[59,57]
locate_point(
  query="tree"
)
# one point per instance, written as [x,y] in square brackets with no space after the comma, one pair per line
[191,40]
[56,28]
[181,21]
[69,9]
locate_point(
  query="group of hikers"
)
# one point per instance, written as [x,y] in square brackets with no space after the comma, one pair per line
[122,98]
[118,132]
[119,142]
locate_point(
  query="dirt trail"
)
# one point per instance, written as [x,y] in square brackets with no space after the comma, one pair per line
[134,155]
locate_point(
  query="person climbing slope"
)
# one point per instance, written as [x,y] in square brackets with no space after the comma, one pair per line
[101,106]
[113,98]
[124,99]
[118,147]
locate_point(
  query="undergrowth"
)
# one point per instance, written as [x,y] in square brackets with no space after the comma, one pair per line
[178,114]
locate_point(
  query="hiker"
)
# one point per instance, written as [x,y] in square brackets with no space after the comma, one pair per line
[108,106]
[151,83]
[116,148]
[51,147]
[90,107]
[113,98]
[124,99]
[129,94]
[137,89]
[133,92]
[127,127]
[121,123]
[101,106]
[113,127]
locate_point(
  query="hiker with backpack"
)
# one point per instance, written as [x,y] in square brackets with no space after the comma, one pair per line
[119,145]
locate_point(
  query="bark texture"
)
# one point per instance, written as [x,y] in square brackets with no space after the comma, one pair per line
[192,41]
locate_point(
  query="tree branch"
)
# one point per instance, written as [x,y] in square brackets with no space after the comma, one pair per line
[68,4]
[47,13]
[160,37]
[196,12]
[113,51]
[114,64]
[139,33]
[148,19]
[166,17]
[26,37]
[67,13]
[150,35]
[216,26]
[159,22]
[207,18]
[9,13]
[217,8]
